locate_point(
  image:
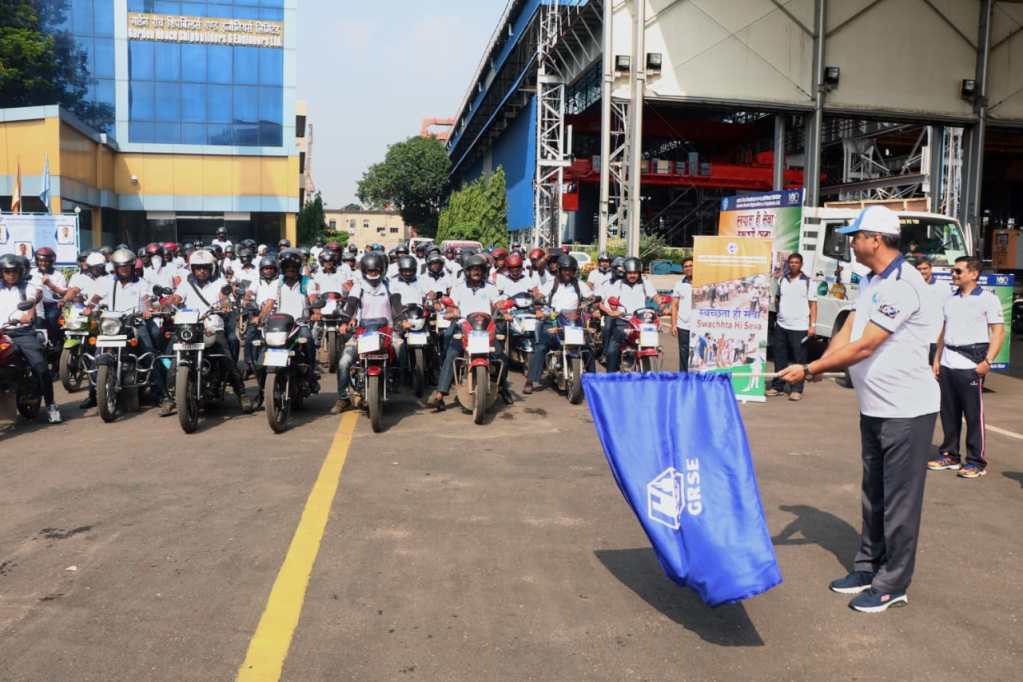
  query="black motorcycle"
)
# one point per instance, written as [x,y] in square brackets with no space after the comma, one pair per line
[289,378]
[16,379]
[120,372]
[422,354]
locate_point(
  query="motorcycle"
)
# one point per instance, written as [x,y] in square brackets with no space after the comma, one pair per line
[477,373]
[373,376]
[421,353]
[569,355]
[522,329]
[329,330]
[119,372]
[641,351]
[289,378]
[77,327]
[17,383]
[201,378]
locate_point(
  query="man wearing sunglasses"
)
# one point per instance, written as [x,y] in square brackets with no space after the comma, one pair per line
[970,339]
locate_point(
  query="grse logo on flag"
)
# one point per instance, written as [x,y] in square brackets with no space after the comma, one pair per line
[667,495]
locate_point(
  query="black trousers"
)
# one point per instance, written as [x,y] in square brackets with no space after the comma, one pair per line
[788,350]
[962,395]
[31,348]
[895,454]
[683,350]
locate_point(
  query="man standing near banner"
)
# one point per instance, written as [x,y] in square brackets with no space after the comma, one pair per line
[797,318]
[884,344]
[682,313]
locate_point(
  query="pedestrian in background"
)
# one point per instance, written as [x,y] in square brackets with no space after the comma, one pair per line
[682,313]
[938,291]
[970,339]
[797,319]
[883,343]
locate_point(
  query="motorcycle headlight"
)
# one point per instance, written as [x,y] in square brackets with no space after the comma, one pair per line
[186,334]
[418,324]
[275,339]
[75,324]
[110,327]
[214,324]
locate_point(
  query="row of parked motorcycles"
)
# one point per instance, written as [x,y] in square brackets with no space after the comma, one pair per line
[103,350]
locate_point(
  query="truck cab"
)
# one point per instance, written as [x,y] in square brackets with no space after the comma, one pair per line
[829,260]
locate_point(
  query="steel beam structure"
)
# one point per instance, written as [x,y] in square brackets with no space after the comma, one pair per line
[549,177]
[637,89]
[606,87]
[815,121]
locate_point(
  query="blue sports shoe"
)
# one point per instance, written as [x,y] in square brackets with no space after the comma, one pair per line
[854,583]
[876,601]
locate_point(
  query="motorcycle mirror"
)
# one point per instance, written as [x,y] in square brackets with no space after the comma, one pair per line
[244,284]
[226,289]
[25,306]
[318,303]
[162,291]
[507,304]
[613,302]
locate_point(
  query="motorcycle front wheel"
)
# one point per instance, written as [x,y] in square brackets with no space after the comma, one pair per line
[375,402]
[278,403]
[106,392]
[333,352]
[70,369]
[28,402]
[574,383]
[186,399]
[646,364]
[482,392]
[419,372]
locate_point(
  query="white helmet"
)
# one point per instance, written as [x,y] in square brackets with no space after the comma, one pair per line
[95,258]
[122,257]
[200,258]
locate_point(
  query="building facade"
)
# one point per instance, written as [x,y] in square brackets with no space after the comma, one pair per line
[191,125]
[366,227]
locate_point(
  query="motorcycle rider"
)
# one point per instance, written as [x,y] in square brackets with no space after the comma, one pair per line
[632,292]
[201,291]
[245,270]
[535,264]
[473,294]
[564,293]
[436,280]
[157,272]
[14,289]
[317,249]
[377,307]
[499,256]
[411,289]
[329,280]
[516,280]
[602,275]
[260,290]
[53,285]
[126,292]
[82,284]
[221,239]
[453,264]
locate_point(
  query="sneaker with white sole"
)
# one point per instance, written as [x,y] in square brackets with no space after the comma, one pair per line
[875,601]
[53,414]
[972,471]
[854,583]
[945,462]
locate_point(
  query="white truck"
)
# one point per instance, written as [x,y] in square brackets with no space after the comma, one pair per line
[829,261]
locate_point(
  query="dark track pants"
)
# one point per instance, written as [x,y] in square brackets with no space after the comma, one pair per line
[895,454]
[962,396]
[683,350]
[788,350]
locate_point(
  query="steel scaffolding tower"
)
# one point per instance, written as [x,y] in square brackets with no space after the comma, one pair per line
[551,160]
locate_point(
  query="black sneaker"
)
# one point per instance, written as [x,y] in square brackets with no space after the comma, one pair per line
[854,583]
[876,601]
[167,408]
[87,403]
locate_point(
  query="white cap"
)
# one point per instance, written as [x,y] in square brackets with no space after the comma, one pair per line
[874,218]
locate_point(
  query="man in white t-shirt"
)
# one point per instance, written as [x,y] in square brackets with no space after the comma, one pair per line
[682,313]
[53,285]
[564,294]
[797,317]
[633,292]
[970,340]
[939,290]
[884,345]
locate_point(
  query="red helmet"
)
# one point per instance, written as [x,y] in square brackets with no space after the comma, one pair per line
[499,252]
[335,247]
[139,266]
[45,252]
[154,249]
[536,254]
[564,249]
[514,260]
[170,247]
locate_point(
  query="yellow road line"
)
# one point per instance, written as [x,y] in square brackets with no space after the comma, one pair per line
[272,639]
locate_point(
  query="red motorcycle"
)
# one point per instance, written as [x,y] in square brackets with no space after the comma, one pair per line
[477,372]
[17,384]
[374,375]
[641,351]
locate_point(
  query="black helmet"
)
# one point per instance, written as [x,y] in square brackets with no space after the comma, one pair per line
[633,265]
[267,262]
[305,251]
[436,258]
[246,252]
[567,262]
[290,256]
[375,262]
[106,251]
[406,262]
[476,260]
[401,250]
[9,261]
[217,251]
[284,244]
[327,256]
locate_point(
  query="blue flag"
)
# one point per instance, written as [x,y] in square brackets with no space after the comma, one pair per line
[677,447]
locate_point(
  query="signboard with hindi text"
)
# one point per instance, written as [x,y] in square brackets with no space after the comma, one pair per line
[731,292]
[205,30]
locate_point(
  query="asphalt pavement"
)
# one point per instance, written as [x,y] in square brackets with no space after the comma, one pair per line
[130,551]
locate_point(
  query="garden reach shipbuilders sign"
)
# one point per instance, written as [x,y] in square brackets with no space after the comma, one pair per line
[206,30]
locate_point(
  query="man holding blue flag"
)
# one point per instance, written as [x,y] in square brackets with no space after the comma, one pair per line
[885,343]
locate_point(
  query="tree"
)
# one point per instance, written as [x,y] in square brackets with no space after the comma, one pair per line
[413,178]
[478,211]
[39,67]
[310,220]
[349,208]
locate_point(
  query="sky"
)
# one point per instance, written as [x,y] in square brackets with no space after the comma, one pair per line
[371,71]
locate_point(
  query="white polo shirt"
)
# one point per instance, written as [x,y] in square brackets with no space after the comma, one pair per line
[966,323]
[10,297]
[939,291]
[598,279]
[412,293]
[794,305]
[632,297]
[453,267]
[565,298]
[683,291]
[82,282]
[162,277]
[290,299]
[122,297]
[190,296]
[470,300]
[374,302]
[511,287]
[437,285]
[264,291]
[896,380]
[56,277]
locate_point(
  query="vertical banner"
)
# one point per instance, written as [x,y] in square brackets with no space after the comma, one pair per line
[731,292]
[1003,286]
[23,233]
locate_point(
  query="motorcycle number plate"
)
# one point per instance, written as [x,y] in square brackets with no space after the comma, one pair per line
[443,323]
[418,338]
[186,316]
[189,346]
[330,308]
[648,335]
[111,342]
[369,343]
[574,336]
[479,342]
[529,324]
[275,357]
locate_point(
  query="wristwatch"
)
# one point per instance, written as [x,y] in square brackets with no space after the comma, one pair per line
[809,374]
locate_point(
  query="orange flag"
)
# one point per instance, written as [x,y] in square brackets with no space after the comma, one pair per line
[16,196]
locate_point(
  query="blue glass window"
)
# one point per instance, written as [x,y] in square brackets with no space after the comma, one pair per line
[271,14]
[103,18]
[168,61]
[81,17]
[246,65]
[142,105]
[193,102]
[193,62]
[220,134]
[167,133]
[271,135]
[104,58]
[219,58]
[193,133]
[105,93]
[139,5]
[161,7]
[246,104]
[219,103]
[140,132]
[168,101]
[140,60]
[85,47]
[246,135]
[193,9]
[271,67]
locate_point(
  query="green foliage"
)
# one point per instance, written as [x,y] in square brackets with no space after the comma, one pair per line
[478,211]
[41,68]
[311,222]
[413,178]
